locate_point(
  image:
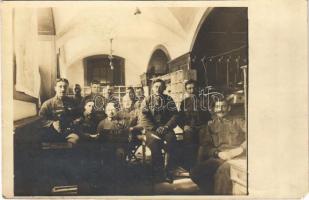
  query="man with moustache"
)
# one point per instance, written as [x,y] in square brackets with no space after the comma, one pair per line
[222,140]
[113,134]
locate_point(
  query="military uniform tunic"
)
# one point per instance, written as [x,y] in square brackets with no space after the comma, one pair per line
[211,173]
[57,109]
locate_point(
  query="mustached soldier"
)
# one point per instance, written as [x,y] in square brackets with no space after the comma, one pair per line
[223,140]
[113,133]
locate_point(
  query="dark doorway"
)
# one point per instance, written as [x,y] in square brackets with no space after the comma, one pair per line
[158,63]
[98,68]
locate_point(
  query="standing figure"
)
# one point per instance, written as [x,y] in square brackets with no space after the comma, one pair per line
[131,93]
[110,98]
[139,96]
[58,114]
[158,118]
[222,140]
[192,117]
[78,99]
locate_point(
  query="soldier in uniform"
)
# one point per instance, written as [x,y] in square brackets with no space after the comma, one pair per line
[110,98]
[114,137]
[99,100]
[222,140]
[129,114]
[86,125]
[78,99]
[131,93]
[192,117]
[158,118]
[113,133]
[139,96]
[58,114]
[89,146]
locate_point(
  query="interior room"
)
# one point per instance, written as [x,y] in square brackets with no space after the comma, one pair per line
[119,47]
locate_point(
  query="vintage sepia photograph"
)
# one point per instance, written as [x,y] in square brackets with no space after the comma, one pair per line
[129,100]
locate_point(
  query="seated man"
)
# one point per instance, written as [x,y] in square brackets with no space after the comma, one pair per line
[89,154]
[58,114]
[114,137]
[158,117]
[128,111]
[192,117]
[223,140]
[114,133]
[86,125]
[129,115]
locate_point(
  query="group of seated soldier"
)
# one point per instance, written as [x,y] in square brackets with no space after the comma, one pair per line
[210,137]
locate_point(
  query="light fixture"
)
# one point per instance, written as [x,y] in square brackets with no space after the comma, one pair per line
[137,11]
[110,56]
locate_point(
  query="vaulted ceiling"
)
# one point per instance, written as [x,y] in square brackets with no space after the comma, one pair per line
[84,31]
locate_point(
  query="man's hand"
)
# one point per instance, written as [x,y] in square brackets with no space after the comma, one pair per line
[235,152]
[96,136]
[56,126]
[224,155]
[141,138]
[77,121]
[229,154]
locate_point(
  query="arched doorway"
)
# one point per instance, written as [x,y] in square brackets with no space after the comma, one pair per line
[98,68]
[157,65]
[221,47]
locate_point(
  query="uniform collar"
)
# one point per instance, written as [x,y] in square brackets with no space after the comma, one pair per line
[222,119]
[59,98]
